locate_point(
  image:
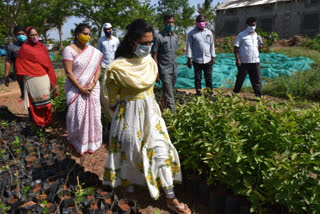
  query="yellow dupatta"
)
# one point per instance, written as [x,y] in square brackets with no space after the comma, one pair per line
[132,73]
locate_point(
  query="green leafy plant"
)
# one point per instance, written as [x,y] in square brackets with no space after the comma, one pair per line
[79,195]
[4,208]
[90,191]
[225,45]
[16,145]
[25,190]
[59,103]
[269,39]
[264,151]
[4,124]
[45,206]
[312,43]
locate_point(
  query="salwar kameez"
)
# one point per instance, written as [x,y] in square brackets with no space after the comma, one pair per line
[140,150]
[34,68]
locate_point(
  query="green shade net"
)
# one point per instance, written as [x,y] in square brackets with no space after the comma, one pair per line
[52,55]
[225,71]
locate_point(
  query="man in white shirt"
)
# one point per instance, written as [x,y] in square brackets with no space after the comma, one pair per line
[200,48]
[108,45]
[246,51]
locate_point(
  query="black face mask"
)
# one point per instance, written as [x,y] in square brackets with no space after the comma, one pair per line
[108,33]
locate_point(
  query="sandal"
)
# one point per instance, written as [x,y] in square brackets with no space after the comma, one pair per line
[181,206]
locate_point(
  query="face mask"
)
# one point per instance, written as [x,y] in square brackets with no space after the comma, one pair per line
[21,38]
[169,28]
[108,34]
[201,25]
[142,50]
[83,38]
[34,39]
[251,28]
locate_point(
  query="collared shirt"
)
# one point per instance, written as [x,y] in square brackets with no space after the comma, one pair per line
[248,45]
[108,48]
[201,45]
[166,47]
[12,53]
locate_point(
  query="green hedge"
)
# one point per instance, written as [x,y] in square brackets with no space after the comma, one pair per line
[268,152]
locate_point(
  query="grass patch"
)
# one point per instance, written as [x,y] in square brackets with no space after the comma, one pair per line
[2,71]
[302,85]
[298,51]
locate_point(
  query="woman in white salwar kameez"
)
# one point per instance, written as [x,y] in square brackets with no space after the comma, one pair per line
[140,150]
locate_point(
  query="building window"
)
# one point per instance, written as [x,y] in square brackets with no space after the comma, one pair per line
[266,24]
[310,22]
[231,27]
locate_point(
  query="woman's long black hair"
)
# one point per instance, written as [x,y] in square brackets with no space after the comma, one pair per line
[135,31]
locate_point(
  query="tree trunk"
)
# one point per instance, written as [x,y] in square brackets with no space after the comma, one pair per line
[185,35]
[60,37]
[45,36]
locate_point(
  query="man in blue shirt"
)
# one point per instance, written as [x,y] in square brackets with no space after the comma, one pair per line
[200,47]
[246,51]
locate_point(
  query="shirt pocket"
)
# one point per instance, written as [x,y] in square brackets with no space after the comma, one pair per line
[113,47]
[165,46]
[175,44]
[247,42]
[207,39]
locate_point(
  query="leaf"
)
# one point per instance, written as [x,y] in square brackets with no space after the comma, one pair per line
[157,212]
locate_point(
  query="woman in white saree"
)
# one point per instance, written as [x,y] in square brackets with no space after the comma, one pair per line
[140,150]
[82,67]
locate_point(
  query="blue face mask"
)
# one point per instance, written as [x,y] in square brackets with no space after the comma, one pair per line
[108,33]
[142,50]
[169,28]
[21,38]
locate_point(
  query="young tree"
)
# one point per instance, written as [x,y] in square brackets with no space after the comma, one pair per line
[61,10]
[10,14]
[182,11]
[144,9]
[118,12]
[209,12]
[38,15]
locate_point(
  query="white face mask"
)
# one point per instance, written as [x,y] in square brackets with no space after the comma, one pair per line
[251,28]
[142,50]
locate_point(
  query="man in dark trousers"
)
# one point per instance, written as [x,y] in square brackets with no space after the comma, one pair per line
[200,47]
[246,51]
[11,56]
[164,53]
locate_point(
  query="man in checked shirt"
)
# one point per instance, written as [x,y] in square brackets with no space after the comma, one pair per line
[200,47]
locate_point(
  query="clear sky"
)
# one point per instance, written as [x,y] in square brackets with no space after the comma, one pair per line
[70,23]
